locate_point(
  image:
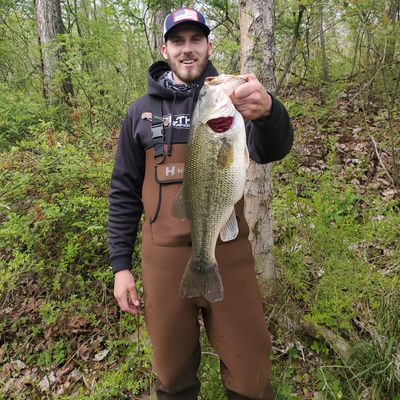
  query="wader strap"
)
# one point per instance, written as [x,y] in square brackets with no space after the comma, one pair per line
[157,129]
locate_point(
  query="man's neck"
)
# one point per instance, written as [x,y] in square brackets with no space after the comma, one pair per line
[169,81]
[177,80]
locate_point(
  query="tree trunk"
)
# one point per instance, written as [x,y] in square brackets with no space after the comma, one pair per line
[292,51]
[258,57]
[49,24]
[325,69]
[391,17]
[307,41]
[356,46]
[157,22]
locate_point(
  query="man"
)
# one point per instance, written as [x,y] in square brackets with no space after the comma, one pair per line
[147,177]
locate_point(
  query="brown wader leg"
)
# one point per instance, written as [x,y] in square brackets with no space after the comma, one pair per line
[171,321]
[268,394]
[236,326]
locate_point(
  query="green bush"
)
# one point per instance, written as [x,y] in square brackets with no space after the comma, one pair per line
[20,115]
[53,213]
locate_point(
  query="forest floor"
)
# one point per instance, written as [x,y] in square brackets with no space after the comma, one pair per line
[336,210]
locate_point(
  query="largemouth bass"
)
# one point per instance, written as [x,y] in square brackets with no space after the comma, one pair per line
[214,179]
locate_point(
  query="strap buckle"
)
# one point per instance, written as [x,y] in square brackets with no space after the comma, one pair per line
[157,129]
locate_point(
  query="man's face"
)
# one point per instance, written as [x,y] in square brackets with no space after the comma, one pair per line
[187,51]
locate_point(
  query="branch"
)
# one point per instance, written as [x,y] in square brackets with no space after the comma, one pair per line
[380,159]
[296,36]
[338,344]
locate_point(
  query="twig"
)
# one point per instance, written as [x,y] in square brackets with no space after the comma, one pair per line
[380,159]
[77,351]
[208,353]
[278,350]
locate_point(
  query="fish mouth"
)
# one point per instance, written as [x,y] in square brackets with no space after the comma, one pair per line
[225,78]
[219,79]
[221,124]
[229,82]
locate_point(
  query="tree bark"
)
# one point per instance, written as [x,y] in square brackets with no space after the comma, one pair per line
[292,51]
[356,46]
[325,68]
[392,12]
[258,56]
[49,24]
[157,22]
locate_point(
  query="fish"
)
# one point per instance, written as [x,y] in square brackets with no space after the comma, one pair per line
[214,178]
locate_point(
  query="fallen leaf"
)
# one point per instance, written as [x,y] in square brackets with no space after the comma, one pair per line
[101,355]
[2,352]
[389,193]
[66,369]
[77,321]
[75,375]
[47,381]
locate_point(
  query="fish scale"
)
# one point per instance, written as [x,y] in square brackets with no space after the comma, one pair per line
[214,178]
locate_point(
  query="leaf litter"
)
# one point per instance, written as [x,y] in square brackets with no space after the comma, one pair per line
[357,159]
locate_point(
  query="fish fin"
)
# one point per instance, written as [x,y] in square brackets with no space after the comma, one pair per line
[178,206]
[225,155]
[231,229]
[199,281]
[246,157]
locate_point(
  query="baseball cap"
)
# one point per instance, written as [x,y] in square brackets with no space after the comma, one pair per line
[182,16]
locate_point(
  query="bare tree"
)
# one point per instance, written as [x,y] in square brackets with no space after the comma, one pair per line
[392,15]
[49,24]
[325,68]
[292,51]
[156,22]
[258,57]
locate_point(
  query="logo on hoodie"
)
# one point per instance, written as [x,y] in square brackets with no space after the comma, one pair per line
[181,121]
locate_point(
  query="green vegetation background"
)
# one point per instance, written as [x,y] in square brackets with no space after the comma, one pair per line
[336,207]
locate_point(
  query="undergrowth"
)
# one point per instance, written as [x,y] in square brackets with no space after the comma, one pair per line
[338,256]
[336,251]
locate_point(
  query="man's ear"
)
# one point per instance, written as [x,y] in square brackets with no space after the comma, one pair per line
[164,51]
[210,48]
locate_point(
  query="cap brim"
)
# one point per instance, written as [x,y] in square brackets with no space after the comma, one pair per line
[203,27]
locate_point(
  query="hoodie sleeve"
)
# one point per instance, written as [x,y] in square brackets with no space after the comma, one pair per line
[125,205]
[270,138]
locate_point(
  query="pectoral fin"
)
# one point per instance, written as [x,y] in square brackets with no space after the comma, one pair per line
[230,229]
[225,155]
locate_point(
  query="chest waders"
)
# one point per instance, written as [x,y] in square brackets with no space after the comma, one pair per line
[235,327]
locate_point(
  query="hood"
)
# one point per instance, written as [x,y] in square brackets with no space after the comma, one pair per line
[159,68]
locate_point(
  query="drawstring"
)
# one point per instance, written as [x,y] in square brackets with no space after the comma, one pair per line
[193,98]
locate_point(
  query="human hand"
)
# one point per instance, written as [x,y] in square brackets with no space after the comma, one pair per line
[251,99]
[125,292]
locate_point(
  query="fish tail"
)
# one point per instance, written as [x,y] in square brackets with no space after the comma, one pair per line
[199,281]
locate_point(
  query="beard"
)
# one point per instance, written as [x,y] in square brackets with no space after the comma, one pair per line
[191,75]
